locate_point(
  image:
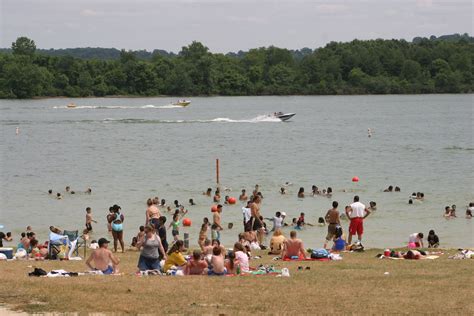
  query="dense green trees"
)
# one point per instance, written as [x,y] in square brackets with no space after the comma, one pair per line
[435,65]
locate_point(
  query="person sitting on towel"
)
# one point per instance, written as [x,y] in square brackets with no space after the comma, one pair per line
[293,247]
[103,259]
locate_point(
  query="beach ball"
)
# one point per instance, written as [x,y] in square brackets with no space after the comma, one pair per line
[214,208]
[355,179]
[232,200]
[186,222]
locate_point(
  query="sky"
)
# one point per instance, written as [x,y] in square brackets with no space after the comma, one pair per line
[226,25]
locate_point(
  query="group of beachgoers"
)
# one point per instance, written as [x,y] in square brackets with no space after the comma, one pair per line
[450,211]
[67,191]
[156,254]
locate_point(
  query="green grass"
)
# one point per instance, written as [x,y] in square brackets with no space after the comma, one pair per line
[357,284]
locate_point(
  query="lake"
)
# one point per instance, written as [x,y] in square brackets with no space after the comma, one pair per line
[130,149]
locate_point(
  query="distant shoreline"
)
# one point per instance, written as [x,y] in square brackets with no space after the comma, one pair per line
[121,96]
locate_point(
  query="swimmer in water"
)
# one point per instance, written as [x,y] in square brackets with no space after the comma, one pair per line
[59,196]
[191,202]
[17,131]
[208,192]
[50,191]
[369,132]
[301,193]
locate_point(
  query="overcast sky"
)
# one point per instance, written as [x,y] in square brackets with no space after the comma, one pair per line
[225,25]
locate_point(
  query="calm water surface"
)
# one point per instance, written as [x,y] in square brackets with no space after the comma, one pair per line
[127,150]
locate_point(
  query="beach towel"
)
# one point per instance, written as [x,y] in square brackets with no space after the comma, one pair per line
[431,257]
[307,259]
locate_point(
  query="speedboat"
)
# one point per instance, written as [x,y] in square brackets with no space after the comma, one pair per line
[283,116]
[182,103]
[71,105]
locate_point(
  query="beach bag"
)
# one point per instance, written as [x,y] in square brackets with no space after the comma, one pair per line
[319,254]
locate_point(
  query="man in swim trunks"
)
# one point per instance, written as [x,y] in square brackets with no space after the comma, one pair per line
[257,223]
[357,213]
[103,258]
[333,220]
[216,218]
[293,247]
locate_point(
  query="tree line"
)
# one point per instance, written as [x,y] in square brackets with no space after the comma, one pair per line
[434,65]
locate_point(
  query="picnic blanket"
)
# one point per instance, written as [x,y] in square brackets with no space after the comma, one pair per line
[431,257]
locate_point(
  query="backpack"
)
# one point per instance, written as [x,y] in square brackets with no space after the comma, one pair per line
[319,254]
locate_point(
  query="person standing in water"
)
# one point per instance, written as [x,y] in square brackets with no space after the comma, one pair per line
[117,227]
[333,220]
[216,219]
[89,219]
[257,223]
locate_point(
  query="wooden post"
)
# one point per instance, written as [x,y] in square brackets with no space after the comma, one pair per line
[217,171]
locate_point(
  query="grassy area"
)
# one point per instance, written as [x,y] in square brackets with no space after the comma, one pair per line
[357,284]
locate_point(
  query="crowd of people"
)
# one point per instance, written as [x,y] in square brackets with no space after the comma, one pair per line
[157,254]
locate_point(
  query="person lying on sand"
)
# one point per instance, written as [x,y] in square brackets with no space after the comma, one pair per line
[103,259]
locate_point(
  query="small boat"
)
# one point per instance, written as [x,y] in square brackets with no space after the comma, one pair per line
[182,103]
[71,105]
[283,116]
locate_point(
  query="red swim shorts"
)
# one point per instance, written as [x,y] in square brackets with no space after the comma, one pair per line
[356,226]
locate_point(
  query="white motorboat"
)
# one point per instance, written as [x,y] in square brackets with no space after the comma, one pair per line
[283,116]
[182,102]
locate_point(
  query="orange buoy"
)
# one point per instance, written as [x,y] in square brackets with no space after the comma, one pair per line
[214,208]
[355,179]
[186,222]
[232,200]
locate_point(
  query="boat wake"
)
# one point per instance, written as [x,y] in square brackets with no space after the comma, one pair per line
[258,119]
[115,107]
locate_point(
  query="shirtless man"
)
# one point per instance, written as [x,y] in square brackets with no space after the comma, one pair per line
[216,219]
[293,247]
[257,223]
[333,220]
[152,213]
[243,196]
[103,258]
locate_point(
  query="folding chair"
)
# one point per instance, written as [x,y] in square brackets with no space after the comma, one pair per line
[73,235]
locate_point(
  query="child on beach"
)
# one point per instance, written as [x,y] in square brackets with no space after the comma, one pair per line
[339,240]
[140,235]
[110,216]
[241,256]
[203,232]
[196,266]
[231,263]
[175,223]
[217,263]
[433,240]
[89,219]
[415,240]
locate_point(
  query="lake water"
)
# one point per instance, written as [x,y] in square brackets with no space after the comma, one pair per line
[130,149]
